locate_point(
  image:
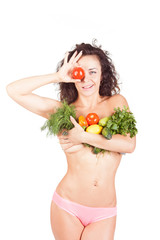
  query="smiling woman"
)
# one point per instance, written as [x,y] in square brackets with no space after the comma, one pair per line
[84,204]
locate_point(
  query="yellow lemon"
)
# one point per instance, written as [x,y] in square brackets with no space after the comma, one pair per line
[94,128]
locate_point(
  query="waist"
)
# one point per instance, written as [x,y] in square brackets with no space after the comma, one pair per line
[88,179]
[89,191]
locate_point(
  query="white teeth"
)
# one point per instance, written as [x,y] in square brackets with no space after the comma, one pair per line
[88,86]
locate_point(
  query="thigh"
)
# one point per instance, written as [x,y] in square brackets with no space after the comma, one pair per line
[103,229]
[64,225]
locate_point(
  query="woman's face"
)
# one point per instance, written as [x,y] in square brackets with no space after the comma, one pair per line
[91,82]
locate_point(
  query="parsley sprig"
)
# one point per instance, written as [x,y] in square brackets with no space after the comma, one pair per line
[122,122]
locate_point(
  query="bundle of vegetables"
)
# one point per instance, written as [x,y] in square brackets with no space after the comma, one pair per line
[121,122]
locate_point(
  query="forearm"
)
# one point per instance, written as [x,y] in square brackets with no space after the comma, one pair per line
[29,84]
[118,143]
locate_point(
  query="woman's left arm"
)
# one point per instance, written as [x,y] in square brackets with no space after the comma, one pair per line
[118,143]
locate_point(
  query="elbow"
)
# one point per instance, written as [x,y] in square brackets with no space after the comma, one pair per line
[132,146]
[8,90]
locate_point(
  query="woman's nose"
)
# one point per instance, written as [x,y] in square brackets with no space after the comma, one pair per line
[86,78]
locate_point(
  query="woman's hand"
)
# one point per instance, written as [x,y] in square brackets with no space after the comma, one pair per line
[73,137]
[64,73]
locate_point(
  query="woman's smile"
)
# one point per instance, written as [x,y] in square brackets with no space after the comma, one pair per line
[88,87]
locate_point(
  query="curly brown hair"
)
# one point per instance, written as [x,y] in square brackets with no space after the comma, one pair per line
[109,83]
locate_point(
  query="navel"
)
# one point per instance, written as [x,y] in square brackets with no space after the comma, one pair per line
[95,183]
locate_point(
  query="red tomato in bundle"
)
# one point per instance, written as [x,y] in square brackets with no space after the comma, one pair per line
[78,73]
[92,118]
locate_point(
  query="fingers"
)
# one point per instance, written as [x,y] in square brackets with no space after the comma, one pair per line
[65,71]
[62,137]
[75,80]
[75,58]
[66,146]
[76,65]
[64,141]
[66,57]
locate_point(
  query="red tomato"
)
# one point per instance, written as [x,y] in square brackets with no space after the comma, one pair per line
[92,118]
[78,73]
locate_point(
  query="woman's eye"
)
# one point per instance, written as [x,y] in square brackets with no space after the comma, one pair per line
[92,72]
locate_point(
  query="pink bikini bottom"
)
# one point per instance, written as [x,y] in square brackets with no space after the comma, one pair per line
[85,214]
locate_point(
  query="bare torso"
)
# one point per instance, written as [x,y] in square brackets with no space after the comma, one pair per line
[90,178]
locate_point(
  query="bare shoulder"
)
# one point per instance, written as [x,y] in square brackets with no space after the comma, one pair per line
[118,100]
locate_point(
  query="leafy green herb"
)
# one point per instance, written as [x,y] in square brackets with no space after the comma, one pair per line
[94,149]
[97,150]
[60,119]
[122,122]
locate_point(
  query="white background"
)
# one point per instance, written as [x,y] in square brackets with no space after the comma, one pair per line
[35,35]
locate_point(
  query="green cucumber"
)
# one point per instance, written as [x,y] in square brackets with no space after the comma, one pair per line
[106,133]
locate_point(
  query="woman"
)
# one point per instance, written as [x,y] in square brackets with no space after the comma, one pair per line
[84,202]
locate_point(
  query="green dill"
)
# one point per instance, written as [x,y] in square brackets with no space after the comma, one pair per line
[60,119]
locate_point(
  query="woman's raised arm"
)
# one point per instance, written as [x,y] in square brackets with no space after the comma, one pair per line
[21,92]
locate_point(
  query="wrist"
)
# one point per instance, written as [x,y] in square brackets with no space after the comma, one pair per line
[84,137]
[58,77]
